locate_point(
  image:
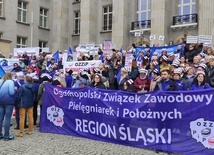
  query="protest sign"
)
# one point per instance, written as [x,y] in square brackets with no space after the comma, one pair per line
[179,122]
[77,65]
[30,51]
[128,61]
[192,39]
[205,39]
[107,45]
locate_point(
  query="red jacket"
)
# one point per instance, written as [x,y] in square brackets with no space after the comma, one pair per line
[138,82]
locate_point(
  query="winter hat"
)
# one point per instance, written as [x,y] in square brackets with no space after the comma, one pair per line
[204,66]
[164,58]
[156,71]
[155,63]
[200,72]
[97,70]
[130,81]
[142,70]
[175,64]
[177,71]
[124,69]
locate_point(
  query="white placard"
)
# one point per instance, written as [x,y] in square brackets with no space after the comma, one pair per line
[77,65]
[46,50]
[192,39]
[137,34]
[205,39]
[90,46]
[161,37]
[107,45]
[30,51]
[128,61]
[152,37]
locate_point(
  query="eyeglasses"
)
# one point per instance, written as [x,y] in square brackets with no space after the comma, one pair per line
[96,77]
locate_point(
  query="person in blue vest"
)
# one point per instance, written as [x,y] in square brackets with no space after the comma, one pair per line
[177,78]
[166,83]
[200,82]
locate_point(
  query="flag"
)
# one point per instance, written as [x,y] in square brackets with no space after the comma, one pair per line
[56,56]
[121,49]
[2,72]
[70,50]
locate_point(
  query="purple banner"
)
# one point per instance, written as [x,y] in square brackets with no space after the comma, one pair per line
[179,122]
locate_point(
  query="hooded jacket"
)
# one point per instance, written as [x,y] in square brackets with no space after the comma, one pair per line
[7,92]
[25,95]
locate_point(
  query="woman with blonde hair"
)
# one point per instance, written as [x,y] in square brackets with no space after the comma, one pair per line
[7,101]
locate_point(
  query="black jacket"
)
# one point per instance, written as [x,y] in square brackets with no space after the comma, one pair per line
[210,73]
[98,85]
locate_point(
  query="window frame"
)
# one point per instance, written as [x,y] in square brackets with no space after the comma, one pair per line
[42,43]
[21,45]
[1,8]
[22,9]
[182,5]
[77,22]
[108,26]
[1,35]
[43,16]
[141,11]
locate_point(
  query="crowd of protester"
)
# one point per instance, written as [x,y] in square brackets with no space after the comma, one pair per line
[24,85]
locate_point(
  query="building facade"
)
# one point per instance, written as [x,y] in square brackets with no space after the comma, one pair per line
[58,24]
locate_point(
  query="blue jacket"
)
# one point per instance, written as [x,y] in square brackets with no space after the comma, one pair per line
[7,92]
[25,96]
[197,87]
[181,85]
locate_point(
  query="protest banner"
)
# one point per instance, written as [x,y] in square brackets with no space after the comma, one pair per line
[169,49]
[179,122]
[128,61]
[192,39]
[30,51]
[77,65]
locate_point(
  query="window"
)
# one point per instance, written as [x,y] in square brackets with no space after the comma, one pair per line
[43,19]
[22,11]
[77,22]
[186,7]
[144,10]
[1,8]
[107,18]
[1,35]
[42,44]
[21,42]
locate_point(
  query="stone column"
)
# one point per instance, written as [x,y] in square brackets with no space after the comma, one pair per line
[205,18]
[60,25]
[121,24]
[88,26]
[161,20]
